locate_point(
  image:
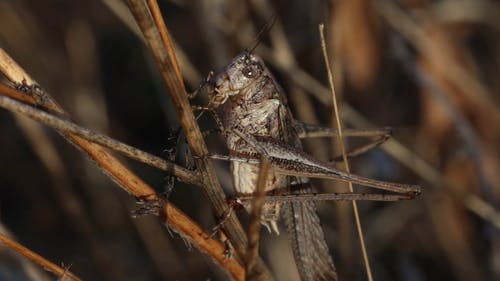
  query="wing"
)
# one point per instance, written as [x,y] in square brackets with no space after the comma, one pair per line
[308,241]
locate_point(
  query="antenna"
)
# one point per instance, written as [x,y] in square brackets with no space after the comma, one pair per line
[269,24]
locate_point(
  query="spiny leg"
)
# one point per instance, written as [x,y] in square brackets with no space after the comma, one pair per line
[288,198]
[202,85]
[316,131]
[148,206]
[153,206]
[232,205]
[378,136]
[289,161]
[362,149]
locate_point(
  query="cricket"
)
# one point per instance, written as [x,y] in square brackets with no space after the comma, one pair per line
[251,112]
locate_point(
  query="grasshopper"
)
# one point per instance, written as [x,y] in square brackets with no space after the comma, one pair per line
[251,111]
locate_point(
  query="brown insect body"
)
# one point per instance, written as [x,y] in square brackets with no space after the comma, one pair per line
[251,105]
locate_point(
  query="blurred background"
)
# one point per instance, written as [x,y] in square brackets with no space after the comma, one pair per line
[428,69]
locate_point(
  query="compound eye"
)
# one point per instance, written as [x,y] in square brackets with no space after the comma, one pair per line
[249,72]
[253,70]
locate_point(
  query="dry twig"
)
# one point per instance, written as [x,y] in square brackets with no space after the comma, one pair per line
[344,154]
[254,226]
[36,258]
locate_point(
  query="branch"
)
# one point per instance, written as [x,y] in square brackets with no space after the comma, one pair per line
[36,258]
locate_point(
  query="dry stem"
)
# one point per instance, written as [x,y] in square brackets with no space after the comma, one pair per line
[36,258]
[254,226]
[344,155]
